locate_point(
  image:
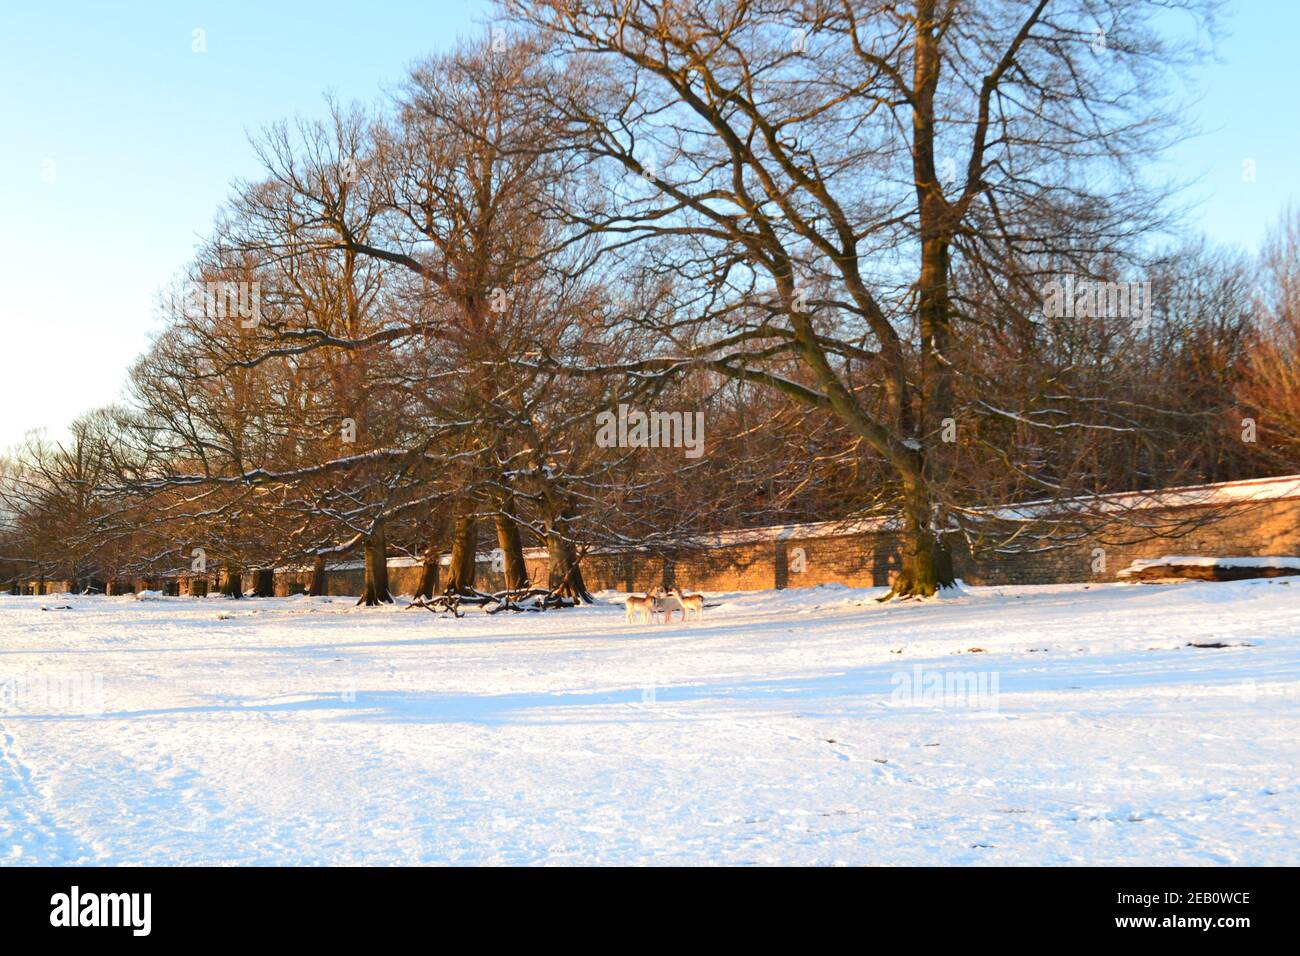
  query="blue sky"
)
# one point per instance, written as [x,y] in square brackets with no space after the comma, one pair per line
[120,142]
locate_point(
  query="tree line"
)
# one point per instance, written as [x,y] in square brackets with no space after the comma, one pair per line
[904,260]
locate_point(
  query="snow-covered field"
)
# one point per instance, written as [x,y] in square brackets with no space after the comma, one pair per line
[787,727]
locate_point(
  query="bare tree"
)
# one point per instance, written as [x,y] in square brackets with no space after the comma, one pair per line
[832,162]
[1270,389]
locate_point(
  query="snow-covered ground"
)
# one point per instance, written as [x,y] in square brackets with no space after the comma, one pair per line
[787,727]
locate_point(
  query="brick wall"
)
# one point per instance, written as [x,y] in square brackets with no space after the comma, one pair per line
[808,555]
[403,578]
[870,559]
[1257,528]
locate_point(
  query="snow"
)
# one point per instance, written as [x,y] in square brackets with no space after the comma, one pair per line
[1222,494]
[1017,725]
[1204,561]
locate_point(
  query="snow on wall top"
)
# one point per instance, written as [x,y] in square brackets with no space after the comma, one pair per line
[1201,561]
[1185,496]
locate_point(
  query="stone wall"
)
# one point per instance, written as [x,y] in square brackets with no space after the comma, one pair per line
[806,556]
[1260,518]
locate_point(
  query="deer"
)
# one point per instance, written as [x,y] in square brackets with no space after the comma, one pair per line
[667,602]
[641,606]
[688,603]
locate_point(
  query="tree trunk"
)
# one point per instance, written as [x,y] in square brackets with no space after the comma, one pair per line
[934,307]
[232,584]
[431,568]
[319,577]
[564,574]
[926,560]
[376,569]
[264,583]
[464,545]
[512,547]
[428,585]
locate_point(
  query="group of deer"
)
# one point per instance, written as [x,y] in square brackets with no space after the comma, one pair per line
[648,607]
